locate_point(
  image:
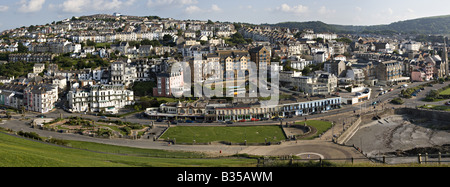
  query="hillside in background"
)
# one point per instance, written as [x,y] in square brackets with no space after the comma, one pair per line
[428,25]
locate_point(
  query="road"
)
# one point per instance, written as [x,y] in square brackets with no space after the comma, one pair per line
[322,146]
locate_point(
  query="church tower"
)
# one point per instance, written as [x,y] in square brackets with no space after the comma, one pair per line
[445,58]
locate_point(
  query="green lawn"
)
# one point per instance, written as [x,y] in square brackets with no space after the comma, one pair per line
[205,134]
[445,92]
[321,126]
[18,152]
[436,107]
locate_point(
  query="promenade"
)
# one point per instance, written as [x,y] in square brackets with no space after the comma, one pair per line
[322,146]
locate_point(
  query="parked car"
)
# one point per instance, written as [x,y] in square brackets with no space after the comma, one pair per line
[229,122]
[189,121]
[174,122]
[447,103]
[242,120]
[254,119]
[159,120]
[41,116]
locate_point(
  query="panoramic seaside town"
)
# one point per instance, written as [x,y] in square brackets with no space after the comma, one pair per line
[106,63]
[294,91]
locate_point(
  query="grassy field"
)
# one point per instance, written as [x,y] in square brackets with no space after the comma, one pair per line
[436,107]
[205,134]
[19,152]
[321,126]
[445,92]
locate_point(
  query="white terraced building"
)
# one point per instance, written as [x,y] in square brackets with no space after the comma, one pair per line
[100,98]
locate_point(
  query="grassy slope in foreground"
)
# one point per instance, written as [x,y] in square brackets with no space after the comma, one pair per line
[18,152]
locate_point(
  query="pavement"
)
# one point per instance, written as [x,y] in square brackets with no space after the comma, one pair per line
[321,147]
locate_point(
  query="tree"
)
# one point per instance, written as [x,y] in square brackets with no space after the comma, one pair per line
[167,38]
[397,101]
[237,26]
[344,40]
[90,43]
[306,70]
[146,42]
[21,48]
[237,38]
[433,94]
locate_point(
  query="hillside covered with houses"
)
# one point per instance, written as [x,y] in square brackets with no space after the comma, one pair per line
[99,64]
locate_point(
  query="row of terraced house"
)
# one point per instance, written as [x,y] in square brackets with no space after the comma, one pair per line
[221,110]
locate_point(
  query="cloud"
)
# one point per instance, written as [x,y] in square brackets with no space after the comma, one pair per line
[179,3]
[107,5]
[4,8]
[77,6]
[323,10]
[74,5]
[390,11]
[195,9]
[292,9]
[130,2]
[31,5]
[359,9]
[215,8]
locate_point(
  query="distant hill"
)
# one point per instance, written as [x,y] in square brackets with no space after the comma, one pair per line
[428,25]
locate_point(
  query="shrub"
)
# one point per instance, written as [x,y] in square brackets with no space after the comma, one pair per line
[31,135]
[127,130]
[58,141]
[397,101]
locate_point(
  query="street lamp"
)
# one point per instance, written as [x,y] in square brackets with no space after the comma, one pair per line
[332,130]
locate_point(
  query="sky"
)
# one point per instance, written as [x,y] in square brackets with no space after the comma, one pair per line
[18,13]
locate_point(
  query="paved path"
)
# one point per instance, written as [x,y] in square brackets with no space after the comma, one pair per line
[321,147]
[314,147]
[307,149]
